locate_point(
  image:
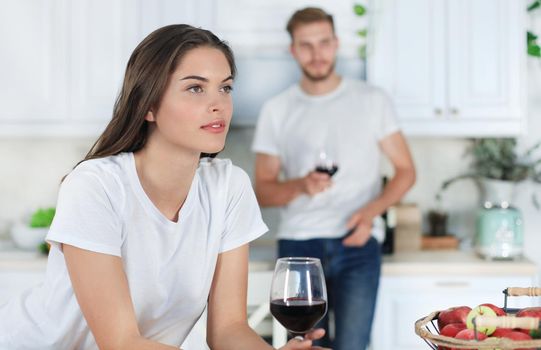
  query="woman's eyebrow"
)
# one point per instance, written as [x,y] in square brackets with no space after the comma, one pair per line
[197,77]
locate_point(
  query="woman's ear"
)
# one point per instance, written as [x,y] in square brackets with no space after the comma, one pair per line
[149,117]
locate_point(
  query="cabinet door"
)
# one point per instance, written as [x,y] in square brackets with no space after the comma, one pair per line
[486,53]
[404,300]
[33,62]
[103,35]
[406,57]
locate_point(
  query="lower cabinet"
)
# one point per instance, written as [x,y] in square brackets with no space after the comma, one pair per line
[404,300]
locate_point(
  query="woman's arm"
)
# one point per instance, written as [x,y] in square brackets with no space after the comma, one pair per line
[102,291]
[227,325]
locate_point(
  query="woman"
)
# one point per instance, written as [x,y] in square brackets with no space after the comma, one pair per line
[145,232]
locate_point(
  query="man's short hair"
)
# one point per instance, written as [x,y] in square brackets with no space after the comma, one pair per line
[308,15]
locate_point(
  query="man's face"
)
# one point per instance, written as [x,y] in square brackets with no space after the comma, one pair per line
[314,46]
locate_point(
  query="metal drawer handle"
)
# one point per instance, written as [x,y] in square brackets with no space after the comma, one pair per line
[452,284]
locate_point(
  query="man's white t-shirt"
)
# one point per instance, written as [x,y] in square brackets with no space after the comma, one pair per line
[102,207]
[351,120]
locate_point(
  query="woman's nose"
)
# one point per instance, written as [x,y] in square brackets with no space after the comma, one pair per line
[218,103]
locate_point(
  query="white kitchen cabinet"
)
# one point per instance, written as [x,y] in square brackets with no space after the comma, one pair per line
[63,62]
[33,38]
[258,27]
[453,68]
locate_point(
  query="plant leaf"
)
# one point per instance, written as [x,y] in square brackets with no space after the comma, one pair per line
[359,9]
[362,51]
[363,33]
[534,5]
[534,50]
[42,217]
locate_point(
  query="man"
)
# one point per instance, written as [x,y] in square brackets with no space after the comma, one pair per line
[322,216]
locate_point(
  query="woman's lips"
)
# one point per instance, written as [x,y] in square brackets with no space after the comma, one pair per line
[216,126]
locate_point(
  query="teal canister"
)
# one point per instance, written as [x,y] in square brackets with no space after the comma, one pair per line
[499,233]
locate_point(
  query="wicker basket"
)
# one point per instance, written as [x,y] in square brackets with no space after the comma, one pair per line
[427,329]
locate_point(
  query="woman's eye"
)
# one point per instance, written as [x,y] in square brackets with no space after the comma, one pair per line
[195,89]
[227,89]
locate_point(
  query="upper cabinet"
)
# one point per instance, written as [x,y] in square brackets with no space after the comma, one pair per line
[452,67]
[32,64]
[63,62]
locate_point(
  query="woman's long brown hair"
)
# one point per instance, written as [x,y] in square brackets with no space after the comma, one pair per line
[147,75]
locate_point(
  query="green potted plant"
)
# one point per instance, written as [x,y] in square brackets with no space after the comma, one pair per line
[498,167]
[31,235]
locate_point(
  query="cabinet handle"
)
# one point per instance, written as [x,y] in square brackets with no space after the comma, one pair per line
[452,284]
[454,111]
[438,111]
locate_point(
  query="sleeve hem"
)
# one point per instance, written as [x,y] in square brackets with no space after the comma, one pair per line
[389,132]
[56,239]
[246,239]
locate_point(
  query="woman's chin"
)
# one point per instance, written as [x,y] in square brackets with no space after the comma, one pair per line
[212,150]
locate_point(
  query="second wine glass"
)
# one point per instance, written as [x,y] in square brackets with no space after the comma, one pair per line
[326,162]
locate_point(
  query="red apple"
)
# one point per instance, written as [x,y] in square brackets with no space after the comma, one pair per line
[452,329]
[468,334]
[456,314]
[518,336]
[498,310]
[530,312]
[500,332]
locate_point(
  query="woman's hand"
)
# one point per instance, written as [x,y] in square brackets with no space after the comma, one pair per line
[306,344]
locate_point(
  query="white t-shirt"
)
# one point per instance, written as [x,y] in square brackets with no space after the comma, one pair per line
[351,120]
[102,207]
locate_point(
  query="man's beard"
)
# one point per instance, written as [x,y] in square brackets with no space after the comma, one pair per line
[318,78]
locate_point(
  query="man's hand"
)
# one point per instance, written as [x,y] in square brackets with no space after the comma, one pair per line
[361,223]
[315,182]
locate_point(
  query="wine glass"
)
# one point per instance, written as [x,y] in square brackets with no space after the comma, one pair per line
[325,162]
[298,298]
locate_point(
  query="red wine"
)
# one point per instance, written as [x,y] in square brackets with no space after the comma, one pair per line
[298,315]
[327,170]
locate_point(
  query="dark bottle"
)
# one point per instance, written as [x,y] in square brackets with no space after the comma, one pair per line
[389,218]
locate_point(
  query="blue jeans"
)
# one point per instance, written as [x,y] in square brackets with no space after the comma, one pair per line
[352,275]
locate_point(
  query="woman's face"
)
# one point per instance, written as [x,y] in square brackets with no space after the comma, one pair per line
[196,108]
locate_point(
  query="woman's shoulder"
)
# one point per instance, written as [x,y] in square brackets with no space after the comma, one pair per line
[107,172]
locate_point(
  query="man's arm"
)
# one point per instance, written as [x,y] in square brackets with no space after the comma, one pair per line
[271,192]
[396,149]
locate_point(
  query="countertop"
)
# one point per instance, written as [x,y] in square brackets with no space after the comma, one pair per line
[453,262]
[419,263]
